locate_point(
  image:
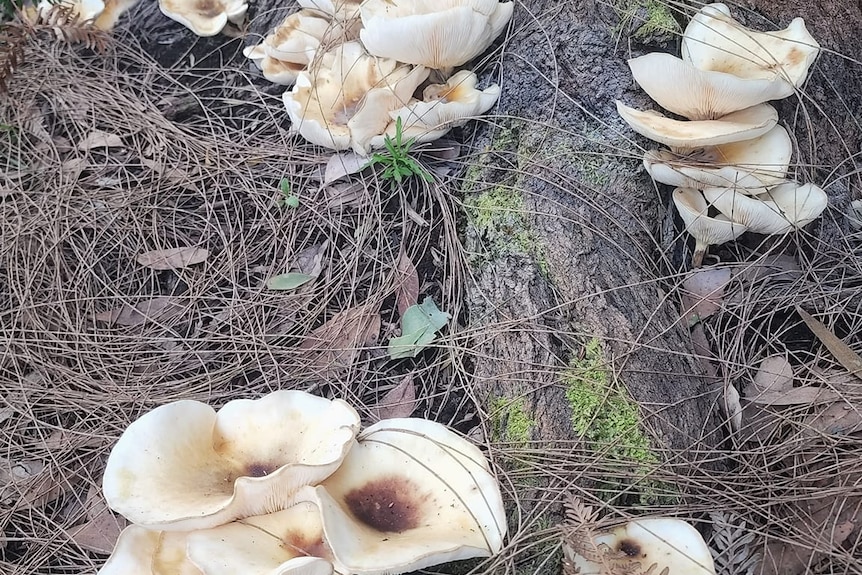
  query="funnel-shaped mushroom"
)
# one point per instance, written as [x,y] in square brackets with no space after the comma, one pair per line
[281,543]
[204,17]
[410,494]
[700,94]
[749,166]
[344,100]
[706,230]
[139,551]
[438,34]
[657,546]
[713,40]
[742,125]
[778,211]
[298,37]
[183,466]
[444,106]
[274,70]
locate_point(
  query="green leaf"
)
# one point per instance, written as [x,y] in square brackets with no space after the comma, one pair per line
[419,326]
[288,281]
[291,201]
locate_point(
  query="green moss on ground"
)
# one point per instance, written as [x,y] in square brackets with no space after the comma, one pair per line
[645,18]
[510,421]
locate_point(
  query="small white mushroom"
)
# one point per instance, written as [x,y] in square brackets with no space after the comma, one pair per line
[443,107]
[697,94]
[139,551]
[274,70]
[713,40]
[410,494]
[657,546]
[439,34]
[288,542]
[344,100]
[749,166]
[706,230]
[778,211]
[183,466]
[204,17]
[742,125]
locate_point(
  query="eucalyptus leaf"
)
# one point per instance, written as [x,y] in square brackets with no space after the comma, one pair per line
[288,281]
[419,326]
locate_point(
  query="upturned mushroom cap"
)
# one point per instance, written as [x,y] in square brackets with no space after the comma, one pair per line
[139,551]
[706,230]
[749,166]
[444,107]
[281,543]
[778,211]
[713,40]
[274,70]
[672,545]
[737,126]
[410,494]
[697,94]
[344,100]
[204,17]
[298,37]
[183,466]
[439,34]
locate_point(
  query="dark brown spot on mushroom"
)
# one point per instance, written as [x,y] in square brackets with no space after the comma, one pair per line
[209,8]
[630,547]
[390,504]
[301,543]
[258,470]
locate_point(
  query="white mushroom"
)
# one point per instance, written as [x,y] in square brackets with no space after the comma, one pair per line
[139,551]
[410,494]
[281,543]
[298,37]
[778,211]
[344,100]
[204,17]
[749,166]
[342,10]
[669,546]
[437,34]
[743,125]
[83,10]
[706,230]
[715,41]
[444,106]
[276,71]
[697,94]
[183,466]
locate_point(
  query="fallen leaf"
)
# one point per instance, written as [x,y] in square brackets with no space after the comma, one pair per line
[796,396]
[102,528]
[702,292]
[443,150]
[839,418]
[400,401]
[343,164]
[173,258]
[848,358]
[334,346]
[159,308]
[309,261]
[99,139]
[288,281]
[26,484]
[775,374]
[732,407]
[419,326]
[759,424]
[407,293]
[351,194]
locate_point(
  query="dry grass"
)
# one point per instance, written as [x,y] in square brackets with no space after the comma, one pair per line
[74,221]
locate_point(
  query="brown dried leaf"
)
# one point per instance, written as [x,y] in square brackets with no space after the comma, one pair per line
[775,374]
[702,292]
[173,258]
[798,395]
[840,350]
[407,293]
[159,308]
[26,484]
[99,139]
[789,558]
[310,260]
[343,164]
[334,346]
[839,418]
[400,401]
[100,532]
[759,424]
[351,194]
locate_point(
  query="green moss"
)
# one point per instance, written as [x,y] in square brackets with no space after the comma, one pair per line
[510,421]
[606,416]
[645,18]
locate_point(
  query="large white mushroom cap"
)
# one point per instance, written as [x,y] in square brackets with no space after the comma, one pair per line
[437,34]
[443,107]
[183,466]
[139,551]
[298,37]
[204,17]
[713,40]
[672,545]
[778,211]
[344,99]
[749,166]
[410,494]
[697,94]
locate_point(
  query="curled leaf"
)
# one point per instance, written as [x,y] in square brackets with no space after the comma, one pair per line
[419,326]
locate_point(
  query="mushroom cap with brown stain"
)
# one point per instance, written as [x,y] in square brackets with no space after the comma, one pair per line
[140,551]
[410,494]
[204,17]
[713,40]
[276,71]
[183,466]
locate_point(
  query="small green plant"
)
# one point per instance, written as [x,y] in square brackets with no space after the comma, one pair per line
[288,199]
[398,163]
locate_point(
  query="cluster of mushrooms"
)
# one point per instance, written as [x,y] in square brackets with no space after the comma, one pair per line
[729,160]
[288,485]
[356,65]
